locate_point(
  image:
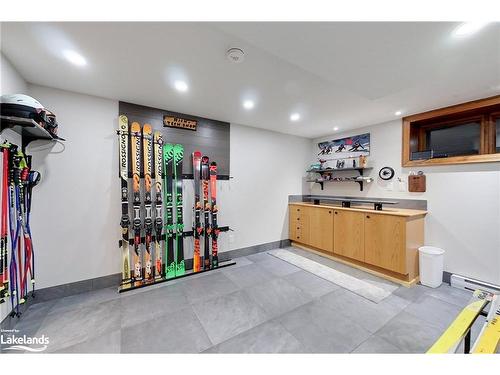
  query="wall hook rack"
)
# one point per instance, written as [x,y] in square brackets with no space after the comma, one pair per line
[28,129]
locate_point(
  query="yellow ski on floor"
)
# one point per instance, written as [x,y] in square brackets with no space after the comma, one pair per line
[489,338]
[455,333]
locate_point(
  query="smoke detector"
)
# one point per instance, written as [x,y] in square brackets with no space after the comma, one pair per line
[235,55]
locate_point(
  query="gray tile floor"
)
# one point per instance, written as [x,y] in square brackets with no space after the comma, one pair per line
[262,304]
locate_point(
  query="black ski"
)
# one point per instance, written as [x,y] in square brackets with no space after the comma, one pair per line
[179,233]
[215,228]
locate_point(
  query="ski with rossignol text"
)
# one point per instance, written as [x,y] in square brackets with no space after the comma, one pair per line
[179,223]
[147,139]
[168,166]
[215,228]
[125,219]
[136,135]
[206,212]
[197,228]
[158,152]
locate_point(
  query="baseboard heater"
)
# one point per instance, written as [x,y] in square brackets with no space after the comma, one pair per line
[462,282]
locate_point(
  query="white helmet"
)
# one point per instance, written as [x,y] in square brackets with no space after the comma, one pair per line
[22,100]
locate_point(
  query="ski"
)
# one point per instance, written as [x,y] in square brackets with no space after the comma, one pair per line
[4,274]
[206,211]
[147,139]
[135,131]
[215,228]
[197,229]
[158,151]
[179,233]
[168,160]
[125,220]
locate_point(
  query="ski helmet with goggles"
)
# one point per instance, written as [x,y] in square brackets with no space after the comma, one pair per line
[20,105]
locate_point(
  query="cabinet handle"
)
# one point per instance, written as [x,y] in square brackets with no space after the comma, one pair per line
[298,237]
[329,212]
[298,227]
[298,218]
[367,216]
[336,213]
[298,209]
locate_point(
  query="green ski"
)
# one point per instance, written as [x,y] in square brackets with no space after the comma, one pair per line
[168,159]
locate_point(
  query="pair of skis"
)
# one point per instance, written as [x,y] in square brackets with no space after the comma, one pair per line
[205,173]
[173,156]
[143,143]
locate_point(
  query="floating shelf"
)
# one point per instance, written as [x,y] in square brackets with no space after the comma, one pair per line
[360,180]
[28,129]
[322,171]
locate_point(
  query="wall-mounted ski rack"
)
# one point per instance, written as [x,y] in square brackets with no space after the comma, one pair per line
[28,129]
[163,237]
[185,176]
[330,171]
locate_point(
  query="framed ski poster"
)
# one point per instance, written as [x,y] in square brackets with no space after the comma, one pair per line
[343,148]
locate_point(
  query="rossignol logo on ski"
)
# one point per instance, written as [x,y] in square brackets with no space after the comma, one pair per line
[123,152]
[16,342]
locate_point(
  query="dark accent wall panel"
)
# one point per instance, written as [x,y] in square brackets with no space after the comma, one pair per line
[211,136]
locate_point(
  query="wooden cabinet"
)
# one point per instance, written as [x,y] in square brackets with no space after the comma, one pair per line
[320,228]
[349,234]
[385,244]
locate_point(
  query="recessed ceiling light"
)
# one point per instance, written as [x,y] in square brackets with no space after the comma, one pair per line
[248,104]
[335,128]
[468,28]
[398,113]
[295,117]
[181,86]
[74,57]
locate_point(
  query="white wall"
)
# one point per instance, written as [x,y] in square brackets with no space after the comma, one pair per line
[11,82]
[267,167]
[463,202]
[76,207]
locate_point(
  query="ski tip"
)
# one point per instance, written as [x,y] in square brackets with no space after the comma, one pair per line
[135,127]
[197,154]
[204,159]
[213,164]
[147,128]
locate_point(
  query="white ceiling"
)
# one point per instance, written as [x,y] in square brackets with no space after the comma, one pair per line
[334,74]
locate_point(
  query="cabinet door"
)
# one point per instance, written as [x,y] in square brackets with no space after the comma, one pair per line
[385,242]
[321,228]
[349,239]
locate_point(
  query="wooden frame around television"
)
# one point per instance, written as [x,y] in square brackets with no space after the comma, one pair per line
[486,111]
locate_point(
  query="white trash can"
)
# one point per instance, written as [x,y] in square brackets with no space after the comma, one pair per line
[431,262]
